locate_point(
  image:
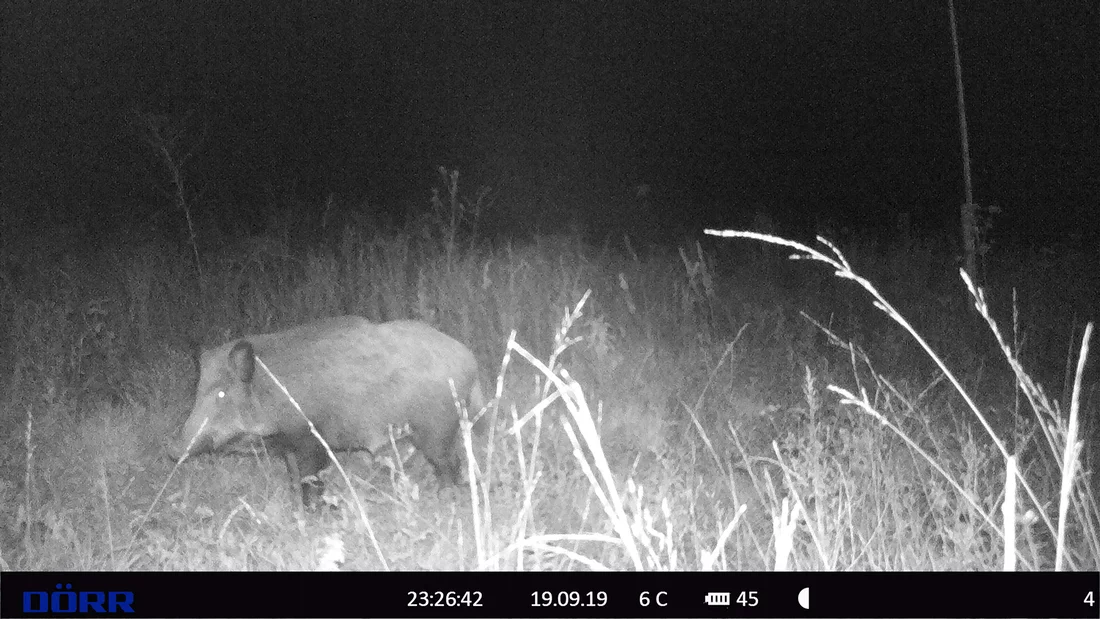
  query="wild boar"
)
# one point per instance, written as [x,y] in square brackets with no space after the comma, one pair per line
[352,378]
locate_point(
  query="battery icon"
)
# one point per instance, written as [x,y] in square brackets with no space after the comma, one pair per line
[718,599]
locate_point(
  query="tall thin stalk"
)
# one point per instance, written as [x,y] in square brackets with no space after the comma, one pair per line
[968,216]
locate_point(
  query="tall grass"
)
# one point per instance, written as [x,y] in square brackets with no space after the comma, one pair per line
[654,410]
[1061,432]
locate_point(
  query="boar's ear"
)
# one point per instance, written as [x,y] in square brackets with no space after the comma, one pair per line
[242,364]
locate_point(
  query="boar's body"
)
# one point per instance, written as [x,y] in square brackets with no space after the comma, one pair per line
[352,379]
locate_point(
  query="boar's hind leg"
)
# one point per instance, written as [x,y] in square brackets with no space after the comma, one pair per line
[303,464]
[439,444]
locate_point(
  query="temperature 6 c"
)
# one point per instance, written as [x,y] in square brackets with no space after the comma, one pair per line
[569,599]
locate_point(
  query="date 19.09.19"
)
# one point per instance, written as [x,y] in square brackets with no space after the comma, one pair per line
[568,599]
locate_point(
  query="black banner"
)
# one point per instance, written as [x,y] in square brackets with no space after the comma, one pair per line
[548,594]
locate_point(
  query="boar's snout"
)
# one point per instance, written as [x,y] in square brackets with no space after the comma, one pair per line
[176,450]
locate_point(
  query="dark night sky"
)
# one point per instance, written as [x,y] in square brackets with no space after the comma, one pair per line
[815,110]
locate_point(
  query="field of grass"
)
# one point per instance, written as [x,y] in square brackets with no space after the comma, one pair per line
[654,408]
